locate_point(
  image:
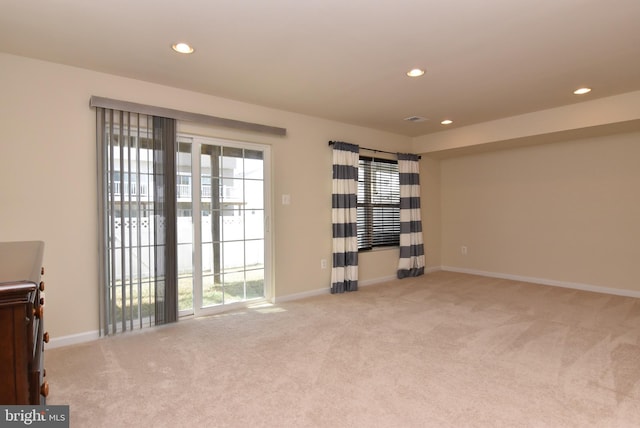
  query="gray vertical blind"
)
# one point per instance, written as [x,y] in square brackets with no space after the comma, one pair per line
[136,204]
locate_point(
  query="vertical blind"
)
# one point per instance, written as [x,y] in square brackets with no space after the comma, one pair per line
[136,203]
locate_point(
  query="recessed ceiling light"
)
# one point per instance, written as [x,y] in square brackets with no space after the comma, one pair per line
[416,72]
[182,48]
[447,122]
[582,91]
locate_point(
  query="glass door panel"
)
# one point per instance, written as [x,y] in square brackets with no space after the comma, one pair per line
[254,224]
[222,224]
[254,199]
[229,216]
[184,213]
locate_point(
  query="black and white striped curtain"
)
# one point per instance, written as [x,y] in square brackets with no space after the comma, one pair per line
[411,261]
[344,273]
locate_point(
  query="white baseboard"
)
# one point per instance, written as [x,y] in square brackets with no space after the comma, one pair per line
[73,339]
[374,281]
[298,296]
[321,291]
[545,281]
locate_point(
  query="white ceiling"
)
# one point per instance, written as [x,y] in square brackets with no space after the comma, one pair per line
[346,59]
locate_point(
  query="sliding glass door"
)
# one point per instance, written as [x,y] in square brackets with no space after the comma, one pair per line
[223,224]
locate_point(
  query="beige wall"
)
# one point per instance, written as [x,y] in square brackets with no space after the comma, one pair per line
[598,116]
[430,202]
[565,211]
[48,176]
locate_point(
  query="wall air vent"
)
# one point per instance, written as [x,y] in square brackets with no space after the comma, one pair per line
[415,119]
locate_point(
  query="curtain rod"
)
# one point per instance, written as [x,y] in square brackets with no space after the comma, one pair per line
[374,150]
[184,115]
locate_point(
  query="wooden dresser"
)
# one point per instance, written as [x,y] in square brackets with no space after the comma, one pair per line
[21,324]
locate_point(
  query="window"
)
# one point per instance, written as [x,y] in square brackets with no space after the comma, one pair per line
[378,203]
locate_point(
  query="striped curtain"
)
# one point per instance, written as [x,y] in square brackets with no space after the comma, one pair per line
[411,261]
[344,274]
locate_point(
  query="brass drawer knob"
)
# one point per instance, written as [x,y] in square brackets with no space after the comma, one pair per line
[41,286]
[44,389]
[45,337]
[38,312]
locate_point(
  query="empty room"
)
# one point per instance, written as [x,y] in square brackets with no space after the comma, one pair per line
[320,213]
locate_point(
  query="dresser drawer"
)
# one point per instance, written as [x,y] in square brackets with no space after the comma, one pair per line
[15,355]
[21,324]
[38,388]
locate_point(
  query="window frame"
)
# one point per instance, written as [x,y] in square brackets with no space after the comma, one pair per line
[388,216]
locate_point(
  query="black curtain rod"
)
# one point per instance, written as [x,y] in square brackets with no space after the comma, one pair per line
[374,150]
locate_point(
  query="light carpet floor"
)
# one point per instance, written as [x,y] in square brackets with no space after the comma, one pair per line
[442,350]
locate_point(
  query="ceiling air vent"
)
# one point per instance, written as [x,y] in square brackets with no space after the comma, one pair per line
[415,119]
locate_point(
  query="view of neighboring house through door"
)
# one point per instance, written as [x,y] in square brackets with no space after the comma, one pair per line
[222,223]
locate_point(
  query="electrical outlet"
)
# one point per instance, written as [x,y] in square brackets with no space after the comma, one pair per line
[323,264]
[463,250]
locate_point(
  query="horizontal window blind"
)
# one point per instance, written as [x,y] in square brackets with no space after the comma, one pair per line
[378,203]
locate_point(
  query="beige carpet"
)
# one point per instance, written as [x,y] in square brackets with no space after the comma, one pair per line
[443,350]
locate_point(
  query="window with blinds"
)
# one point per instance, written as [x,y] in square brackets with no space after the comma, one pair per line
[378,203]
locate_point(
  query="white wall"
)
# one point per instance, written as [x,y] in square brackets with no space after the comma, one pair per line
[48,175]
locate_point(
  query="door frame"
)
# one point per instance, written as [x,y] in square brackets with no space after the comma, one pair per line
[196,143]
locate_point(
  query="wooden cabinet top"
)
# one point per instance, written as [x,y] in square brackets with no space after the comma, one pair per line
[20,262]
